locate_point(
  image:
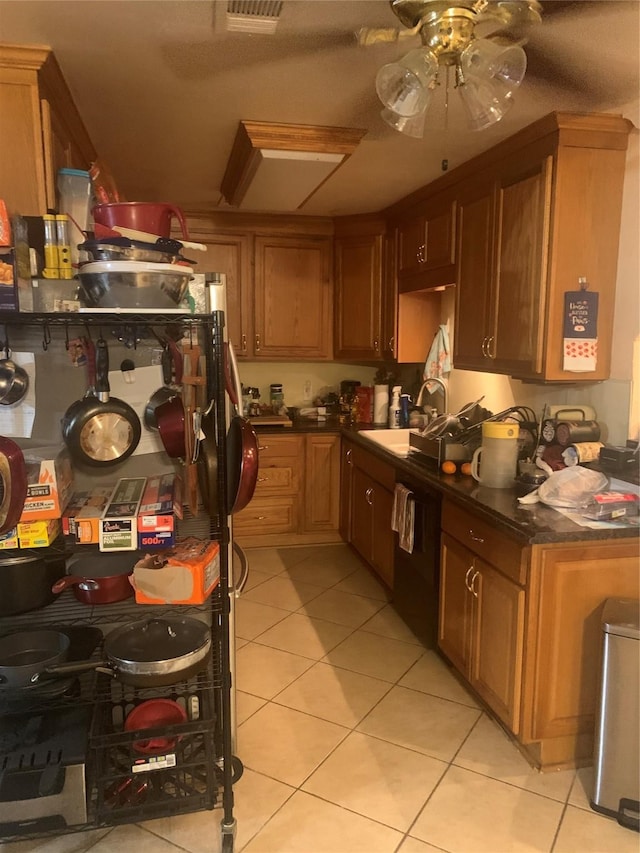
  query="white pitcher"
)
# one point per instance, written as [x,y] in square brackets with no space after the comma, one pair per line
[498,455]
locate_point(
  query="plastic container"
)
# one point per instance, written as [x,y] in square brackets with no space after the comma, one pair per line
[494,463]
[74,193]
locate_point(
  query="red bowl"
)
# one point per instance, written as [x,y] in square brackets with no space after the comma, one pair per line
[150,715]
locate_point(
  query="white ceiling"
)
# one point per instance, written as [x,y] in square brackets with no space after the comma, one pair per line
[161,91]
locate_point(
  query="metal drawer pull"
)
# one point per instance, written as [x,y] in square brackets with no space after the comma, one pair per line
[263,479]
[257,343]
[484,347]
[348,457]
[476,538]
[367,496]
[474,591]
[259,517]
[391,344]
[376,345]
[466,577]
[263,447]
[490,354]
[243,340]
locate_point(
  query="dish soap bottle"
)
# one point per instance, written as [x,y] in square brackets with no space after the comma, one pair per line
[394,408]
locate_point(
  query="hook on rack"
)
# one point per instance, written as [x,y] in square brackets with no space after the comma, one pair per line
[46,336]
[7,348]
[66,336]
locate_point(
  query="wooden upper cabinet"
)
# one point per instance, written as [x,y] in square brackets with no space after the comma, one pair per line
[359,283]
[426,245]
[551,217]
[41,129]
[523,208]
[475,267]
[503,227]
[292,298]
[231,254]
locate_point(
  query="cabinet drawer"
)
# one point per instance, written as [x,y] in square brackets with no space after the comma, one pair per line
[278,476]
[267,515]
[378,470]
[497,548]
[279,445]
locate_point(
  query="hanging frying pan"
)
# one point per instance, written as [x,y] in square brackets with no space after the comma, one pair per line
[242,444]
[208,463]
[171,377]
[100,430]
[13,483]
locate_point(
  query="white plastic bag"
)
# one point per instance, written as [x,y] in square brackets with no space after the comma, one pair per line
[572,487]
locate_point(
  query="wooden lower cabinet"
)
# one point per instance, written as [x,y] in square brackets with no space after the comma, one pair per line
[367,484]
[296,500]
[522,624]
[481,628]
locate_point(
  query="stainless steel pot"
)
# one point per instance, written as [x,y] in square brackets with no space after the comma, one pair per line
[14,382]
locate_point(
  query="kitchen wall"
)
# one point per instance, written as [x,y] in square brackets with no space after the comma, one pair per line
[323,376]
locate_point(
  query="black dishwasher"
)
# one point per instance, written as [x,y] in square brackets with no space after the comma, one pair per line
[416,574]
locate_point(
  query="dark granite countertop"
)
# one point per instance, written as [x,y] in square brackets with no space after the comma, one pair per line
[533,523]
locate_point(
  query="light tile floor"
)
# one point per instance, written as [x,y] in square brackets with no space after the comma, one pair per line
[357,739]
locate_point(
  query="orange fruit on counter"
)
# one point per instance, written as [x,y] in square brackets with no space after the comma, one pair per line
[465,468]
[449,467]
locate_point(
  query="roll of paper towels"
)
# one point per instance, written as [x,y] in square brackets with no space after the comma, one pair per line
[381,405]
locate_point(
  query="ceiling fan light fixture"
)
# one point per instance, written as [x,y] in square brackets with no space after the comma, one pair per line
[484,102]
[409,125]
[489,60]
[405,87]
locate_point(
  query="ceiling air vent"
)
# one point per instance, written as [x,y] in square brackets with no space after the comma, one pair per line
[253,16]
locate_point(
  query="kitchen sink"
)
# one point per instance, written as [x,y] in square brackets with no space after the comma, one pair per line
[394,440]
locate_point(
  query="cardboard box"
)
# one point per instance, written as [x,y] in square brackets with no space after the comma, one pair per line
[118,525]
[9,539]
[81,518]
[161,505]
[185,574]
[38,534]
[49,483]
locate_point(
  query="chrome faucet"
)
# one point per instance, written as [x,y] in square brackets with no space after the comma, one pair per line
[425,385]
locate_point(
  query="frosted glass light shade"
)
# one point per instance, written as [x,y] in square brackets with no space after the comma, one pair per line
[484,102]
[488,60]
[405,86]
[409,125]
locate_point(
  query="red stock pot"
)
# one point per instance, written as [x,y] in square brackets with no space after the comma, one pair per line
[151,217]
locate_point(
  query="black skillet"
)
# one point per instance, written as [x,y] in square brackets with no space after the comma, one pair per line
[100,430]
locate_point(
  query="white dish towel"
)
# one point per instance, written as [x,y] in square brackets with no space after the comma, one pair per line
[403,516]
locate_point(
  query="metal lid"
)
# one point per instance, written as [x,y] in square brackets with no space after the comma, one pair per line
[621,616]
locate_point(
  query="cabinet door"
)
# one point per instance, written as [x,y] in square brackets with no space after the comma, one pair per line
[322,482]
[229,254]
[475,267]
[412,238]
[498,632]
[358,297]
[426,246]
[523,206]
[362,513]
[455,616]
[346,488]
[22,168]
[292,298]
[382,542]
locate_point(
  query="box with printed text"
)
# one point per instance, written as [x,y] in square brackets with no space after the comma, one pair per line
[118,525]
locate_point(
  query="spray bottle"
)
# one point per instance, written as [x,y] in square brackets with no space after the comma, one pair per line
[395,408]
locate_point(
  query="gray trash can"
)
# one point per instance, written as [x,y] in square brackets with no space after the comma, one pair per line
[617,752]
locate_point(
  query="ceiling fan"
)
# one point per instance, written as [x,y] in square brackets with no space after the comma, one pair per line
[478,43]
[481,40]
